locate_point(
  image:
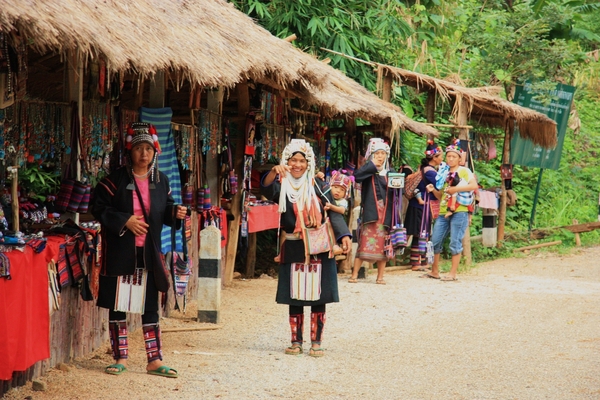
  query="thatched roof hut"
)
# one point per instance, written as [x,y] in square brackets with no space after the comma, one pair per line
[341,96]
[484,105]
[206,42]
[195,40]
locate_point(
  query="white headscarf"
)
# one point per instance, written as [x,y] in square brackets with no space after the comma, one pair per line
[300,191]
[376,144]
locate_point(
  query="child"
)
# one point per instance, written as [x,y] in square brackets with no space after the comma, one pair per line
[340,186]
[453,180]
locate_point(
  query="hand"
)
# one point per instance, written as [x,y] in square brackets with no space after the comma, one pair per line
[137,225]
[327,206]
[450,190]
[181,212]
[429,188]
[281,170]
[346,244]
[320,175]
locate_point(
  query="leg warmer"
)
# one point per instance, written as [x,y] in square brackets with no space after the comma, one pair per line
[117,331]
[152,342]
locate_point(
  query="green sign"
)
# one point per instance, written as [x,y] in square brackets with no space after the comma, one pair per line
[523,151]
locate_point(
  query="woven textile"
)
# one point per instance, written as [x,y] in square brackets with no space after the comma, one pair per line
[167,160]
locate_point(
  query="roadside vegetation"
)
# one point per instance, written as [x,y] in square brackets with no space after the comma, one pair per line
[491,43]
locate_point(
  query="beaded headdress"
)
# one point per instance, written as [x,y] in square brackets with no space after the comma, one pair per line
[339,178]
[432,149]
[141,132]
[455,147]
[299,191]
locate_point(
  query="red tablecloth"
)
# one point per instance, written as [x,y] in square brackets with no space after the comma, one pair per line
[261,218]
[24,309]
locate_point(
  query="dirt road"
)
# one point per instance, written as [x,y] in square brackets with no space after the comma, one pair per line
[520,328]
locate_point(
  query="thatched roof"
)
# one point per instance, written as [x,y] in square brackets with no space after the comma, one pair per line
[484,105]
[206,41]
[342,96]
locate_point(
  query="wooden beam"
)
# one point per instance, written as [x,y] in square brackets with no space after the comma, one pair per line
[386,93]
[157,91]
[251,259]
[191,329]
[509,129]
[291,38]
[236,206]
[537,246]
[463,134]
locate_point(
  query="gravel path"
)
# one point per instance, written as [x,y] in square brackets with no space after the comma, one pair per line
[519,328]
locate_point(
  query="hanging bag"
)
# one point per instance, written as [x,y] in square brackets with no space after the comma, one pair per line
[320,239]
[398,236]
[181,267]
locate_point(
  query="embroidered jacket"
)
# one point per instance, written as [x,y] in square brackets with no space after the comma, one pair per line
[293,250]
[112,206]
[368,177]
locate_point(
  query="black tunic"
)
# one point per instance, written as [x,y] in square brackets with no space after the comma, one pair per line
[369,178]
[293,251]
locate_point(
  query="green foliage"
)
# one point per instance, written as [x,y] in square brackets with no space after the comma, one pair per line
[38,182]
[363,29]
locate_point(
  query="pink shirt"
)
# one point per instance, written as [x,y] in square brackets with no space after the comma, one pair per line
[137,207]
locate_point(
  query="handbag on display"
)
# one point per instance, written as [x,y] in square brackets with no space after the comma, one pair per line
[181,267]
[319,239]
[306,280]
[398,235]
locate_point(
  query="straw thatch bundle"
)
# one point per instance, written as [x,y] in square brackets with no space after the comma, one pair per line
[484,106]
[206,41]
[342,96]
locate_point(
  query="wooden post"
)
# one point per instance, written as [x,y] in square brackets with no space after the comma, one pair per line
[386,93]
[251,259]
[463,134]
[430,106]
[577,237]
[489,231]
[214,104]
[505,160]
[234,226]
[75,84]
[209,276]
[157,91]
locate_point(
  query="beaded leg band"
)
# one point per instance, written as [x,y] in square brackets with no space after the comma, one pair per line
[152,342]
[117,331]
[317,323]
[297,325]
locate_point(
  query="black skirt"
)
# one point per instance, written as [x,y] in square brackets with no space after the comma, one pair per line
[412,222]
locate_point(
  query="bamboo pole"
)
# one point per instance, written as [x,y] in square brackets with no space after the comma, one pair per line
[463,134]
[505,160]
[191,329]
[537,246]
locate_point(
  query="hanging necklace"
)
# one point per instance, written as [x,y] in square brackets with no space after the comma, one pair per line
[143,176]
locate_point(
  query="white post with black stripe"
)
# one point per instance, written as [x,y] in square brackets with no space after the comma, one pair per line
[209,276]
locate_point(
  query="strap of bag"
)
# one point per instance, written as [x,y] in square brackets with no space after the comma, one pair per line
[156,248]
[425,215]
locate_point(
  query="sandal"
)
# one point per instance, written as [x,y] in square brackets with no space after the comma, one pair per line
[429,276]
[163,370]
[316,352]
[380,282]
[353,280]
[294,350]
[449,279]
[120,368]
